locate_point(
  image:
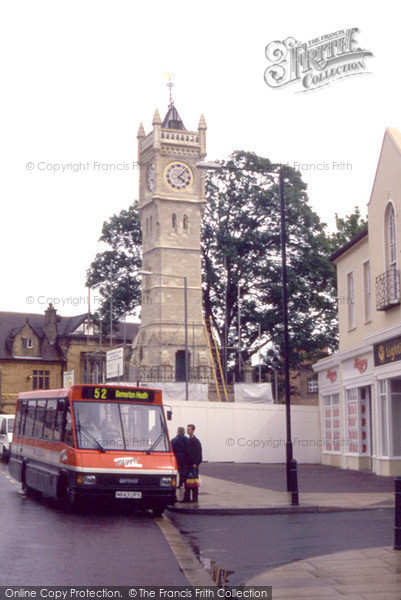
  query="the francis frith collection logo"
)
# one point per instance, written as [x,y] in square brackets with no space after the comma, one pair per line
[316,63]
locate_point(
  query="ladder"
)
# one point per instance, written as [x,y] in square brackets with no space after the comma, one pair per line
[217,369]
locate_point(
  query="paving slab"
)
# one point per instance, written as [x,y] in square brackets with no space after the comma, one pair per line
[344,576]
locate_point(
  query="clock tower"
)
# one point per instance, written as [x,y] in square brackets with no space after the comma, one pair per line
[171,202]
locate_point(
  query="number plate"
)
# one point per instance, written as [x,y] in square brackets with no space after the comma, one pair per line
[128,494]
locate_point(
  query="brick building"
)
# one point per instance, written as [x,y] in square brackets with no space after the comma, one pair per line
[36,349]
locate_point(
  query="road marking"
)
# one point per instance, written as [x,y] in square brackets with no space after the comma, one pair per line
[189,565]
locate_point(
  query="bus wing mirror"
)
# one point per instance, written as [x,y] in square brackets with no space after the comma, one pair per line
[169,415]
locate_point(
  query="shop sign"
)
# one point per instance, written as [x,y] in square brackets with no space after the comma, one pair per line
[361,364]
[387,352]
[331,375]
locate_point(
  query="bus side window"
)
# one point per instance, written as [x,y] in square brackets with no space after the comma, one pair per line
[50,417]
[68,437]
[3,428]
[18,418]
[29,418]
[39,418]
[60,417]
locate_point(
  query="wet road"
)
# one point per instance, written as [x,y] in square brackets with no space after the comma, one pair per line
[40,544]
[248,544]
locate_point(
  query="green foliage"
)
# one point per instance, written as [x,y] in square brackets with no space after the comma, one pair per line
[347,227]
[241,246]
[116,269]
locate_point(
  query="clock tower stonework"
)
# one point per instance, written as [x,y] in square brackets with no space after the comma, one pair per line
[171,202]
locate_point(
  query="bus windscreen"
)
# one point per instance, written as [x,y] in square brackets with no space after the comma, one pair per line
[120,426]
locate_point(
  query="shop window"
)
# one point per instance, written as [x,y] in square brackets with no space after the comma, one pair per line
[383,410]
[352,420]
[331,422]
[396,416]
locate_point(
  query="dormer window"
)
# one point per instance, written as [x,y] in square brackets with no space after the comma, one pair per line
[27,342]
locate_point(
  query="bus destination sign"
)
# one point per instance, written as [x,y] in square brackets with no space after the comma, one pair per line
[117,393]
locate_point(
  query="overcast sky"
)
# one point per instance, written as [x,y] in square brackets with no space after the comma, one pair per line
[79,76]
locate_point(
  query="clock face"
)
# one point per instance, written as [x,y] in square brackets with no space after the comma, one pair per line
[150,177]
[178,176]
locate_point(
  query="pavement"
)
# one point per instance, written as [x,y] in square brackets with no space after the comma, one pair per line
[362,574]
[367,574]
[228,488]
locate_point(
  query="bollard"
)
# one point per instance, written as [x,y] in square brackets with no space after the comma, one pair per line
[294,483]
[397,514]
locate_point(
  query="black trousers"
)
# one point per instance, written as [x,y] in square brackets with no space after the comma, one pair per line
[182,474]
[191,493]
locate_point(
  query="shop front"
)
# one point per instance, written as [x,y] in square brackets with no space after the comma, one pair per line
[387,360]
[360,400]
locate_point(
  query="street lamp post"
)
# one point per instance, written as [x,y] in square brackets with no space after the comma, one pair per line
[292,480]
[185,321]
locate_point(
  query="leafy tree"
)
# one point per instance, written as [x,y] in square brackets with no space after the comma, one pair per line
[116,269]
[347,228]
[241,248]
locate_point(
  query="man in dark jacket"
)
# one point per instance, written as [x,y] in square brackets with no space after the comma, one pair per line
[194,452]
[180,445]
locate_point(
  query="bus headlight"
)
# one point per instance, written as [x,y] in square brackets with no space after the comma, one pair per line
[167,481]
[89,479]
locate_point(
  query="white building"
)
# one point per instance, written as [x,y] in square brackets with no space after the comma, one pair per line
[360,385]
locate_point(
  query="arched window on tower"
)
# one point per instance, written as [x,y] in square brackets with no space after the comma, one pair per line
[185,223]
[151,225]
[174,221]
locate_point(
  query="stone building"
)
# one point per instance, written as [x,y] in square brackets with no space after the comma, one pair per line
[171,201]
[36,349]
[360,385]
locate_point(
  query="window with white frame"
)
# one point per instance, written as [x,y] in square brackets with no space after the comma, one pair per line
[395,416]
[367,291]
[27,342]
[351,300]
[391,237]
[352,420]
[331,422]
[391,253]
[313,385]
[383,411]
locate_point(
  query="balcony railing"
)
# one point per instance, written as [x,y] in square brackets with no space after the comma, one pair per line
[388,289]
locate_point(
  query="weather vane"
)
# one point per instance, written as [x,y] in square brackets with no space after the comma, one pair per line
[170,85]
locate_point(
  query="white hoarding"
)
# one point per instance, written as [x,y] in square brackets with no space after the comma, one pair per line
[115,363]
[68,378]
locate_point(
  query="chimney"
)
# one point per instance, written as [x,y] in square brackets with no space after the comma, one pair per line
[50,324]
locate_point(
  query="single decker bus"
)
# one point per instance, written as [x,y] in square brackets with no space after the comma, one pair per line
[88,441]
